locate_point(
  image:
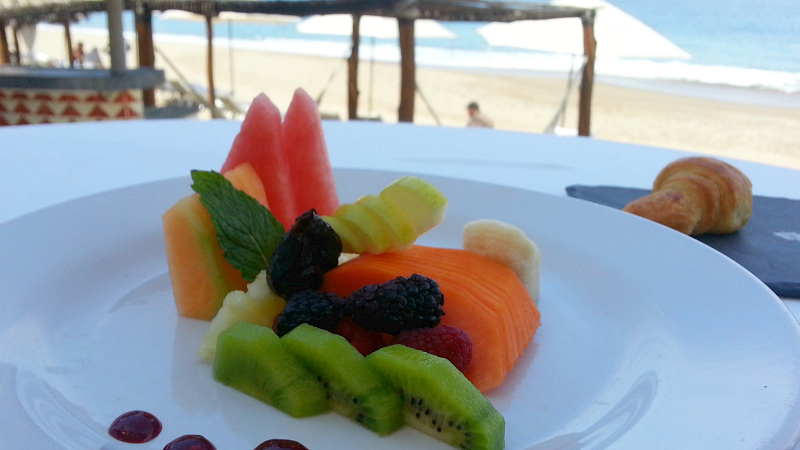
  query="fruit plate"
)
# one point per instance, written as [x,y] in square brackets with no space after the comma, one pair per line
[649,339]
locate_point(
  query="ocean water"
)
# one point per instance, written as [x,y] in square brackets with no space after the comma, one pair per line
[736,43]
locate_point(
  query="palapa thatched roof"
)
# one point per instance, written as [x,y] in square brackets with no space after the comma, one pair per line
[32,11]
[17,12]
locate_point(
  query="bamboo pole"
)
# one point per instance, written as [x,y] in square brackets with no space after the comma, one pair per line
[352,71]
[146,50]
[587,80]
[407,70]
[5,54]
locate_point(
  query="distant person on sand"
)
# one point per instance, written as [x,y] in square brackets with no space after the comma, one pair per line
[77,55]
[476,118]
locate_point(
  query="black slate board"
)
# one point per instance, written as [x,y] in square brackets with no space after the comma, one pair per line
[768,246]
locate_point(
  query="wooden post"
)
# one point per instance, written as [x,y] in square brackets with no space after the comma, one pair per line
[68,43]
[212,97]
[5,54]
[352,70]
[147,54]
[17,48]
[407,70]
[587,80]
[116,40]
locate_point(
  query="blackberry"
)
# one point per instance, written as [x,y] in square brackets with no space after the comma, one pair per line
[308,250]
[320,309]
[404,303]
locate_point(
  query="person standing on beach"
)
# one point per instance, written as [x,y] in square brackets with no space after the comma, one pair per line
[77,55]
[476,118]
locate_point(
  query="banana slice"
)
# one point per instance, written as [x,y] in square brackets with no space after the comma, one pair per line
[508,245]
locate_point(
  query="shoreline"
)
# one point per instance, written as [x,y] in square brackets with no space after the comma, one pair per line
[727,121]
[737,92]
[693,89]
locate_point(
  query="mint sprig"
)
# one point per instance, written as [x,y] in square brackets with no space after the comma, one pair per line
[247,232]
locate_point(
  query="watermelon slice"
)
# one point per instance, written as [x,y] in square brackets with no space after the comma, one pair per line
[259,142]
[306,157]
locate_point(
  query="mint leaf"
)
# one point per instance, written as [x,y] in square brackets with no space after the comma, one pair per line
[247,232]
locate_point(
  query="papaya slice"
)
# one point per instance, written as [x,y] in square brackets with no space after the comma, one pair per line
[483,297]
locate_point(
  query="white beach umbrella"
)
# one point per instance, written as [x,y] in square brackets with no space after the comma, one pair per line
[371,26]
[618,34]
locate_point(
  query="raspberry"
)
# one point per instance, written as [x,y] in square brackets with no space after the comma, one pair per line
[308,250]
[445,341]
[401,304]
[365,341]
[321,309]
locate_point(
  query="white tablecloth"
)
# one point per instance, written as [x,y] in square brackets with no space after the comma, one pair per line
[41,166]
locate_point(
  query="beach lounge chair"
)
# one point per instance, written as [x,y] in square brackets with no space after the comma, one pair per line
[230,107]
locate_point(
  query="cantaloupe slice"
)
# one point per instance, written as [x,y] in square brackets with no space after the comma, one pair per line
[201,277]
[483,297]
[245,178]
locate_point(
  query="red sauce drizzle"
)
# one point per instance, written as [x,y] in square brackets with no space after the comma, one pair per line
[190,442]
[135,427]
[281,444]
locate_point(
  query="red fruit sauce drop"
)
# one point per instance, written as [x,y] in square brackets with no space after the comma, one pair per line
[135,427]
[281,444]
[190,442]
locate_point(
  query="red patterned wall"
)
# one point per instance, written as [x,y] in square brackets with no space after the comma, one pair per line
[31,106]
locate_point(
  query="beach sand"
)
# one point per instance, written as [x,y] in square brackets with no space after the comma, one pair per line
[745,124]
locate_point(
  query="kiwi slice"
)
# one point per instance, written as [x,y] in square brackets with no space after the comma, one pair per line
[252,359]
[355,390]
[439,400]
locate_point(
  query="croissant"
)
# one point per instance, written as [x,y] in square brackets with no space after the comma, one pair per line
[698,195]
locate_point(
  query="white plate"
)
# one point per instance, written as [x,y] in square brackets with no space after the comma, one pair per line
[649,339]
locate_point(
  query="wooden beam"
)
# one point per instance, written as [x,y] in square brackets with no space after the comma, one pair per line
[352,71]
[212,96]
[587,80]
[5,54]
[407,70]
[146,49]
